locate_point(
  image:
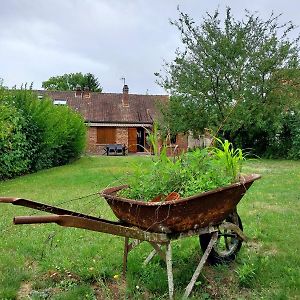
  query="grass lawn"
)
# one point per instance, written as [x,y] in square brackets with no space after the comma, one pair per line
[53,262]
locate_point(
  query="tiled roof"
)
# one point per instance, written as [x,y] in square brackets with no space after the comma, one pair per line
[108,107]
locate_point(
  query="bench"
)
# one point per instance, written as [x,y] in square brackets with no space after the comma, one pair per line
[115,149]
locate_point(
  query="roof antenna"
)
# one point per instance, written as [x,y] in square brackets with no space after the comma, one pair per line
[123,79]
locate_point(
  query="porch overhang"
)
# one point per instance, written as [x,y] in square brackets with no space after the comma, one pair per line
[99,124]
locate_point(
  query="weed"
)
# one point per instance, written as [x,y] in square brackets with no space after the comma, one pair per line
[249,270]
[230,158]
[246,274]
[81,291]
[191,173]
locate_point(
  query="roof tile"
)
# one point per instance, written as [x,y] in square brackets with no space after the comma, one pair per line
[108,107]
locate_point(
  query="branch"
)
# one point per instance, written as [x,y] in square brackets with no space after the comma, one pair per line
[216,96]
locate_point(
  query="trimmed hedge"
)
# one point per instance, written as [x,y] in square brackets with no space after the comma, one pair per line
[35,134]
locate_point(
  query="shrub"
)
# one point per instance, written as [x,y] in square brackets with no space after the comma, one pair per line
[286,143]
[13,160]
[292,135]
[35,134]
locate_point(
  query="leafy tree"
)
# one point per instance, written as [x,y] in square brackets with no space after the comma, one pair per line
[68,82]
[237,78]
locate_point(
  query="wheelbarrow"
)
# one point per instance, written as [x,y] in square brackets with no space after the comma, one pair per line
[211,215]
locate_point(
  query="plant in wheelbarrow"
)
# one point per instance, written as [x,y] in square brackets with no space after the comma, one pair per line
[207,184]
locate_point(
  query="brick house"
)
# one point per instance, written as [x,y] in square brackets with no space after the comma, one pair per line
[115,118]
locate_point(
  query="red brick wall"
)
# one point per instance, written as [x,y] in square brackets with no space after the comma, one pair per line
[180,146]
[122,136]
[182,142]
[91,139]
[94,148]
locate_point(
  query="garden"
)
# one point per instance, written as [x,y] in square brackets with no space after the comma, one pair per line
[238,82]
[52,262]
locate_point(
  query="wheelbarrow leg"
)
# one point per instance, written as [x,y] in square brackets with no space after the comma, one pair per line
[200,265]
[169,270]
[126,250]
[149,257]
[167,257]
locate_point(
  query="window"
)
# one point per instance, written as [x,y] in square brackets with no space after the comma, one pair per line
[59,102]
[106,135]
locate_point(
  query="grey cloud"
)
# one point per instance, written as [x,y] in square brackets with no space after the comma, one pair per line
[110,38]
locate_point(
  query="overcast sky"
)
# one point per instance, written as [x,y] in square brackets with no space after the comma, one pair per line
[109,38]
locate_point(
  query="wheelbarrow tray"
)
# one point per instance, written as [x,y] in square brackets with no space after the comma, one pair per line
[197,211]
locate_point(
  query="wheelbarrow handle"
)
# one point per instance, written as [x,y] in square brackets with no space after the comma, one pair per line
[104,226]
[48,208]
[8,199]
[36,219]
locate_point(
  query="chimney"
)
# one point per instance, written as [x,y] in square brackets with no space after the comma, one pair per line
[78,91]
[125,97]
[86,92]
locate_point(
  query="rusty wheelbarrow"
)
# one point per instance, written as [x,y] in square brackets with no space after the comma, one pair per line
[211,215]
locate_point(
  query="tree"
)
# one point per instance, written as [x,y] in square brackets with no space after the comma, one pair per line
[68,82]
[230,77]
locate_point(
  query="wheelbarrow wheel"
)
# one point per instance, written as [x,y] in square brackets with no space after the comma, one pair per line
[227,245]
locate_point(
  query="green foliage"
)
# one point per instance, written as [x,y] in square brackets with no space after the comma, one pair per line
[191,173]
[13,160]
[246,274]
[248,271]
[233,77]
[231,158]
[35,134]
[293,124]
[68,82]
[286,143]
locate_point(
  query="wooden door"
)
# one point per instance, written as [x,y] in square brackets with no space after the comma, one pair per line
[132,140]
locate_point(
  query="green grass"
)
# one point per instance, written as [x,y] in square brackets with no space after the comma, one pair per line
[53,262]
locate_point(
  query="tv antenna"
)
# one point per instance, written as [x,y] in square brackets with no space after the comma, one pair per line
[123,79]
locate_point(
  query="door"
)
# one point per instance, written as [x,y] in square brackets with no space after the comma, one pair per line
[140,139]
[132,140]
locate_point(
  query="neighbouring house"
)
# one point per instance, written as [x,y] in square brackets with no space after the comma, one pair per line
[115,118]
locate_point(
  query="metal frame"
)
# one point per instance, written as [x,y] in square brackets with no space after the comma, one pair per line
[166,255]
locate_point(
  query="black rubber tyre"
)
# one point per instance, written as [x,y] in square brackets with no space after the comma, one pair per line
[227,245]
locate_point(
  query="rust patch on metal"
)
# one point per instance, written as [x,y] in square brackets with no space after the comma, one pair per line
[198,211]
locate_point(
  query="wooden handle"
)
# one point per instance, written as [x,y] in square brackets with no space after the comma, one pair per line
[36,219]
[7,199]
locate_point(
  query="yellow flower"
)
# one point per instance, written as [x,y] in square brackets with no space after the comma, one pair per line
[116,276]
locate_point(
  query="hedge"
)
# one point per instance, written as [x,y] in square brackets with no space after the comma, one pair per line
[35,134]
